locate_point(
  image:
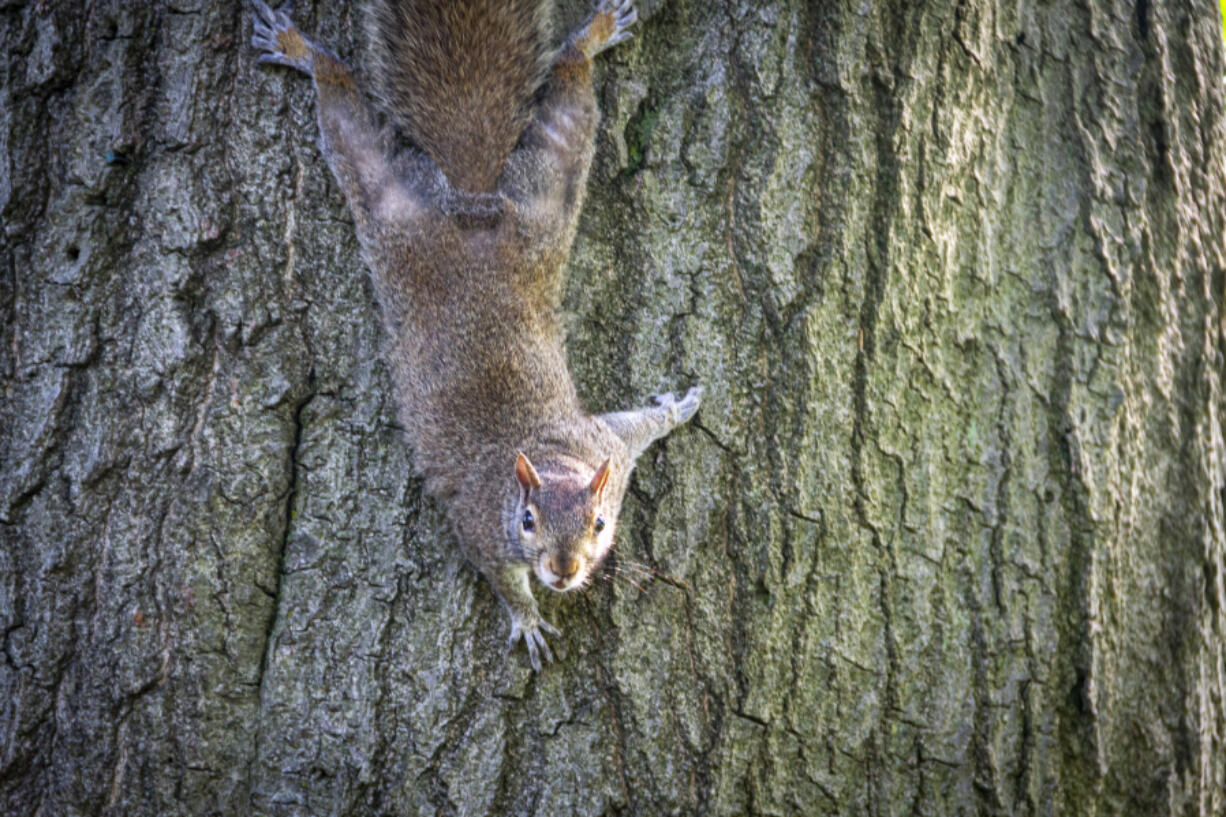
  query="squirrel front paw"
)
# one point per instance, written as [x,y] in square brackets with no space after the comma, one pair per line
[610,25]
[679,411]
[275,33]
[532,629]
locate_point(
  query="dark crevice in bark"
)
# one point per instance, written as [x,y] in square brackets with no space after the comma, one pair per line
[1142,15]
[384,747]
[986,773]
[294,479]
[1001,513]
[1023,779]
[702,756]
[883,87]
[866,341]
[1076,729]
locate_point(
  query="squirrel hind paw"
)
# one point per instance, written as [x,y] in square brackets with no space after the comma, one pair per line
[610,25]
[275,33]
[620,9]
[271,21]
[625,16]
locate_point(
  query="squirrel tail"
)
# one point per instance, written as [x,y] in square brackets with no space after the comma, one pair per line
[459,76]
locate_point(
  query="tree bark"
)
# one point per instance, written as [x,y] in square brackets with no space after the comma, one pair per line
[946,537]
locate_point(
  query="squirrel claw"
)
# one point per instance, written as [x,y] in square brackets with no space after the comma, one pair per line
[275,59]
[533,636]
[270,20]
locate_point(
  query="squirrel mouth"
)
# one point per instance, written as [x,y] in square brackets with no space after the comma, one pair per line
[561,583]
[553,581]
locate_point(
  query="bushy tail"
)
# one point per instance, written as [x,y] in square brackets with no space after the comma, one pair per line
[459,75]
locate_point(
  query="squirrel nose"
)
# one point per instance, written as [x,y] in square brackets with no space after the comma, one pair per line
[564,566]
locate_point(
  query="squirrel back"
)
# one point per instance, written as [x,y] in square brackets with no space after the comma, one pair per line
[459,75]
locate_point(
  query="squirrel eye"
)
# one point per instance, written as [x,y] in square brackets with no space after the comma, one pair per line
[529,522]
[599,524]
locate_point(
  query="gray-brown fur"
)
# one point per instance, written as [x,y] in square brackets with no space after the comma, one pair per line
[459,76]
[469,280]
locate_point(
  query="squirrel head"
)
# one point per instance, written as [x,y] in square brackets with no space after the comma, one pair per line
[562,523]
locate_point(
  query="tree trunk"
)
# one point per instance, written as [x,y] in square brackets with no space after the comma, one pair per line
[947,536]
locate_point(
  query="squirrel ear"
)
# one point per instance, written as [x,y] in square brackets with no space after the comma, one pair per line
[601,478]
[526,474]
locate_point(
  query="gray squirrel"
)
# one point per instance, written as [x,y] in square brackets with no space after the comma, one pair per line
[466,232]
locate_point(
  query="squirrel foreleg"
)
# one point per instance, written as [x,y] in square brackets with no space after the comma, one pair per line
[510,583]
[639,428]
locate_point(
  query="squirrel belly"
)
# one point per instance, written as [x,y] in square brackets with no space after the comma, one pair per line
[466,231]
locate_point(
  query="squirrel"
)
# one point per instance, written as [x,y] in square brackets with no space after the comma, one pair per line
[465,231]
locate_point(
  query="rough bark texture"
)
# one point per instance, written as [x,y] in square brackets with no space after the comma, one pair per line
[946,537]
